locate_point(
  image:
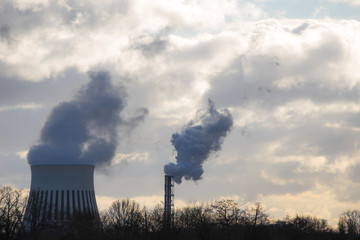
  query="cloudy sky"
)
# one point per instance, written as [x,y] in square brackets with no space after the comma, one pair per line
[288,71]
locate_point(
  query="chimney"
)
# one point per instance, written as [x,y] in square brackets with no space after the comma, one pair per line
[168,201]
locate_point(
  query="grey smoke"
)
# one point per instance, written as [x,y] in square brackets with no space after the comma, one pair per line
[84,130]
[197,141]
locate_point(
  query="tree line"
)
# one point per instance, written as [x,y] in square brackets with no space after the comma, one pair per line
[126,219]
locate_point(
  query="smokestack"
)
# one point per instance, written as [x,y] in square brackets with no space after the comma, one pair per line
[168,201]
[59,191]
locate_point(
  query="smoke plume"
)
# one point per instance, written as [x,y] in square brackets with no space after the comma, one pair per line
[197,141]
[84,130]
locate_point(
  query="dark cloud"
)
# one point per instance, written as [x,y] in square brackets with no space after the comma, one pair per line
[19,128]
[5,34]
[14,171]
[353,173]
[139,116]
[15,91]
[18,22]
[155,47]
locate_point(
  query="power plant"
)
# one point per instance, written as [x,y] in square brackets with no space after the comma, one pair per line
[59,191]
[168,201]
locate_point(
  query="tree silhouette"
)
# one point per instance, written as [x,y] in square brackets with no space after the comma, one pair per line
[227,213]
[81,226]
[257,215]
[201,219]
[12,208]
[125,218]
[349,224]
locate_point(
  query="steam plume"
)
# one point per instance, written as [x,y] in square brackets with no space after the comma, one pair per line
[84,130]
[197,141]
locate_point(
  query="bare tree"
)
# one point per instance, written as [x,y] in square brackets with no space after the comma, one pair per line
[183,218]
[227,213]
[349,223]
[307,225]
[157,218]
[125,217]
[257,215]
[12,208]
[201,219]
[35,220]
[81,226]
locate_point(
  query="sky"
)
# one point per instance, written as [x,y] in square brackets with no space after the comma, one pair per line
[286,70]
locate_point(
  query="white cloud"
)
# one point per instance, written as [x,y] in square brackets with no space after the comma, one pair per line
[317,11]
[104,202]
[23,154]
[21,106]
[351,2]
[86,37]
[131,157]
[252,12]
[321,203]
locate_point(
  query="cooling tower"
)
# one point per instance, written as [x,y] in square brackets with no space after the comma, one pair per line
[58,191]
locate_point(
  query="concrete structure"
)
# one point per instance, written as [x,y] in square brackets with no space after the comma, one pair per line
[168,201]
[58,191]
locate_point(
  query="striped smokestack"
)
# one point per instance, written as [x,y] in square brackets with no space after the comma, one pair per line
[168,201]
